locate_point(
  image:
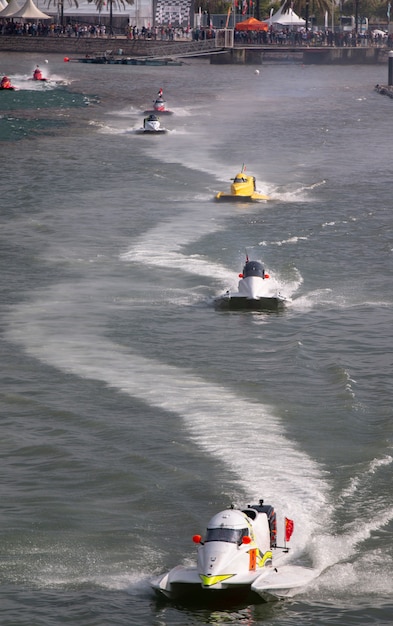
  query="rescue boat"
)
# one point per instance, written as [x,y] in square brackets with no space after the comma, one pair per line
[151,126]
[243,189]
[255,292]
[238,558]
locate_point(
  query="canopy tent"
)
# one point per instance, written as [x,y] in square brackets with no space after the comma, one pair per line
[29,11]
[286,18]
[11,7]
[139,11]
[2,5]
[252,24]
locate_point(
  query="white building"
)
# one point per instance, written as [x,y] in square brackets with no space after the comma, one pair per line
[146,13]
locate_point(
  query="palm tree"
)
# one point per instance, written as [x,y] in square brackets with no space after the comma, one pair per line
[60,7]
[101,3]
[317,7]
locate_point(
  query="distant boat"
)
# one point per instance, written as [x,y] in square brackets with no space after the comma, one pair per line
[110,59]
[254,292]
[159,106]
[243,189]
[151,126]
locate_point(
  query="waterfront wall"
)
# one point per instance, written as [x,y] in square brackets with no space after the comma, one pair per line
[345,56]
[73,47]
[79,47]
[308,56]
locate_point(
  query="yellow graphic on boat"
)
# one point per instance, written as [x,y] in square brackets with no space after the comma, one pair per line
[209,581]
[262,558]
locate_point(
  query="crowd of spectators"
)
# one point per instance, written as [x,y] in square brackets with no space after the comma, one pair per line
[273,36]
[301,37]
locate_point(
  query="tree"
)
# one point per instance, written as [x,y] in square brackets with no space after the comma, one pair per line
[366,8]
[60,7]
[317,8]
[119,3]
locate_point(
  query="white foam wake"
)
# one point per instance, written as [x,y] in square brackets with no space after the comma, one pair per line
[247,437]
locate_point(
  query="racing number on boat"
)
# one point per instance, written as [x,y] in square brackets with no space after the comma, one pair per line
[253,559]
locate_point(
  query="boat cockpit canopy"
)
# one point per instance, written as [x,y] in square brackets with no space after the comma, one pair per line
[230,535]
[240,178]
[253,268]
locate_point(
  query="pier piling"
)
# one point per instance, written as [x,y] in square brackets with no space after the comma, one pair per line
[390,76]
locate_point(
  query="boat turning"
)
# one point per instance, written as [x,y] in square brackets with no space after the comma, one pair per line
[255,292]
[235,559]
[243,189]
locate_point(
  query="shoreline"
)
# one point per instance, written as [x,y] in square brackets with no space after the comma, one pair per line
[247,55]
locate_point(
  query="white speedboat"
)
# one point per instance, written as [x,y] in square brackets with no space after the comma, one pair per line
[152,126]
[235,560]
[254,291]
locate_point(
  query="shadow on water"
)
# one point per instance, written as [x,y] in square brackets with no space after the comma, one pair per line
[248,610]
[26,113]
[15,128]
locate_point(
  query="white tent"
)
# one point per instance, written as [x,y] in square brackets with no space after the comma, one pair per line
[141,12]
[3,5]
[286,18]
[29,11]
[10,9]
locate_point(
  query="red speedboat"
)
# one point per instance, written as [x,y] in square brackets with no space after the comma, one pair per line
[159,106]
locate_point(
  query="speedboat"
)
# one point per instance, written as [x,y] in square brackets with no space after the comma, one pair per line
[243,189]
[235,560]
[151,126]
[37,75]
[5,84]
[254,291]
[159,106]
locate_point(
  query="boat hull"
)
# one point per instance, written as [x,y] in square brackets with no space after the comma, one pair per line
[195,595]
[160,131]
[229,197]
[239,303]
[268,584]
[157,112]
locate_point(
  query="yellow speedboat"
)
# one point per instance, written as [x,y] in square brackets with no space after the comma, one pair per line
[243,189]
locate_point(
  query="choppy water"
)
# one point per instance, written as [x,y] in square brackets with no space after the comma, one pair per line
[131,410]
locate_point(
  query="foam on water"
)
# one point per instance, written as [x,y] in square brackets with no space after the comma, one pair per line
[163,246]
[217,419]
[338,522]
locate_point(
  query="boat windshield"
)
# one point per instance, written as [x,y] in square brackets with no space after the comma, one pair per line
[230,535]
[253,268]
[240,179]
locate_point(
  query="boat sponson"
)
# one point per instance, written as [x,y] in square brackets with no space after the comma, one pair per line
[160,131]
[157,112]
[274,303]
[229,197]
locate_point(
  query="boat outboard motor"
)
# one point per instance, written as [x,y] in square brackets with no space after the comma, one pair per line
[253,268]
[271,517]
